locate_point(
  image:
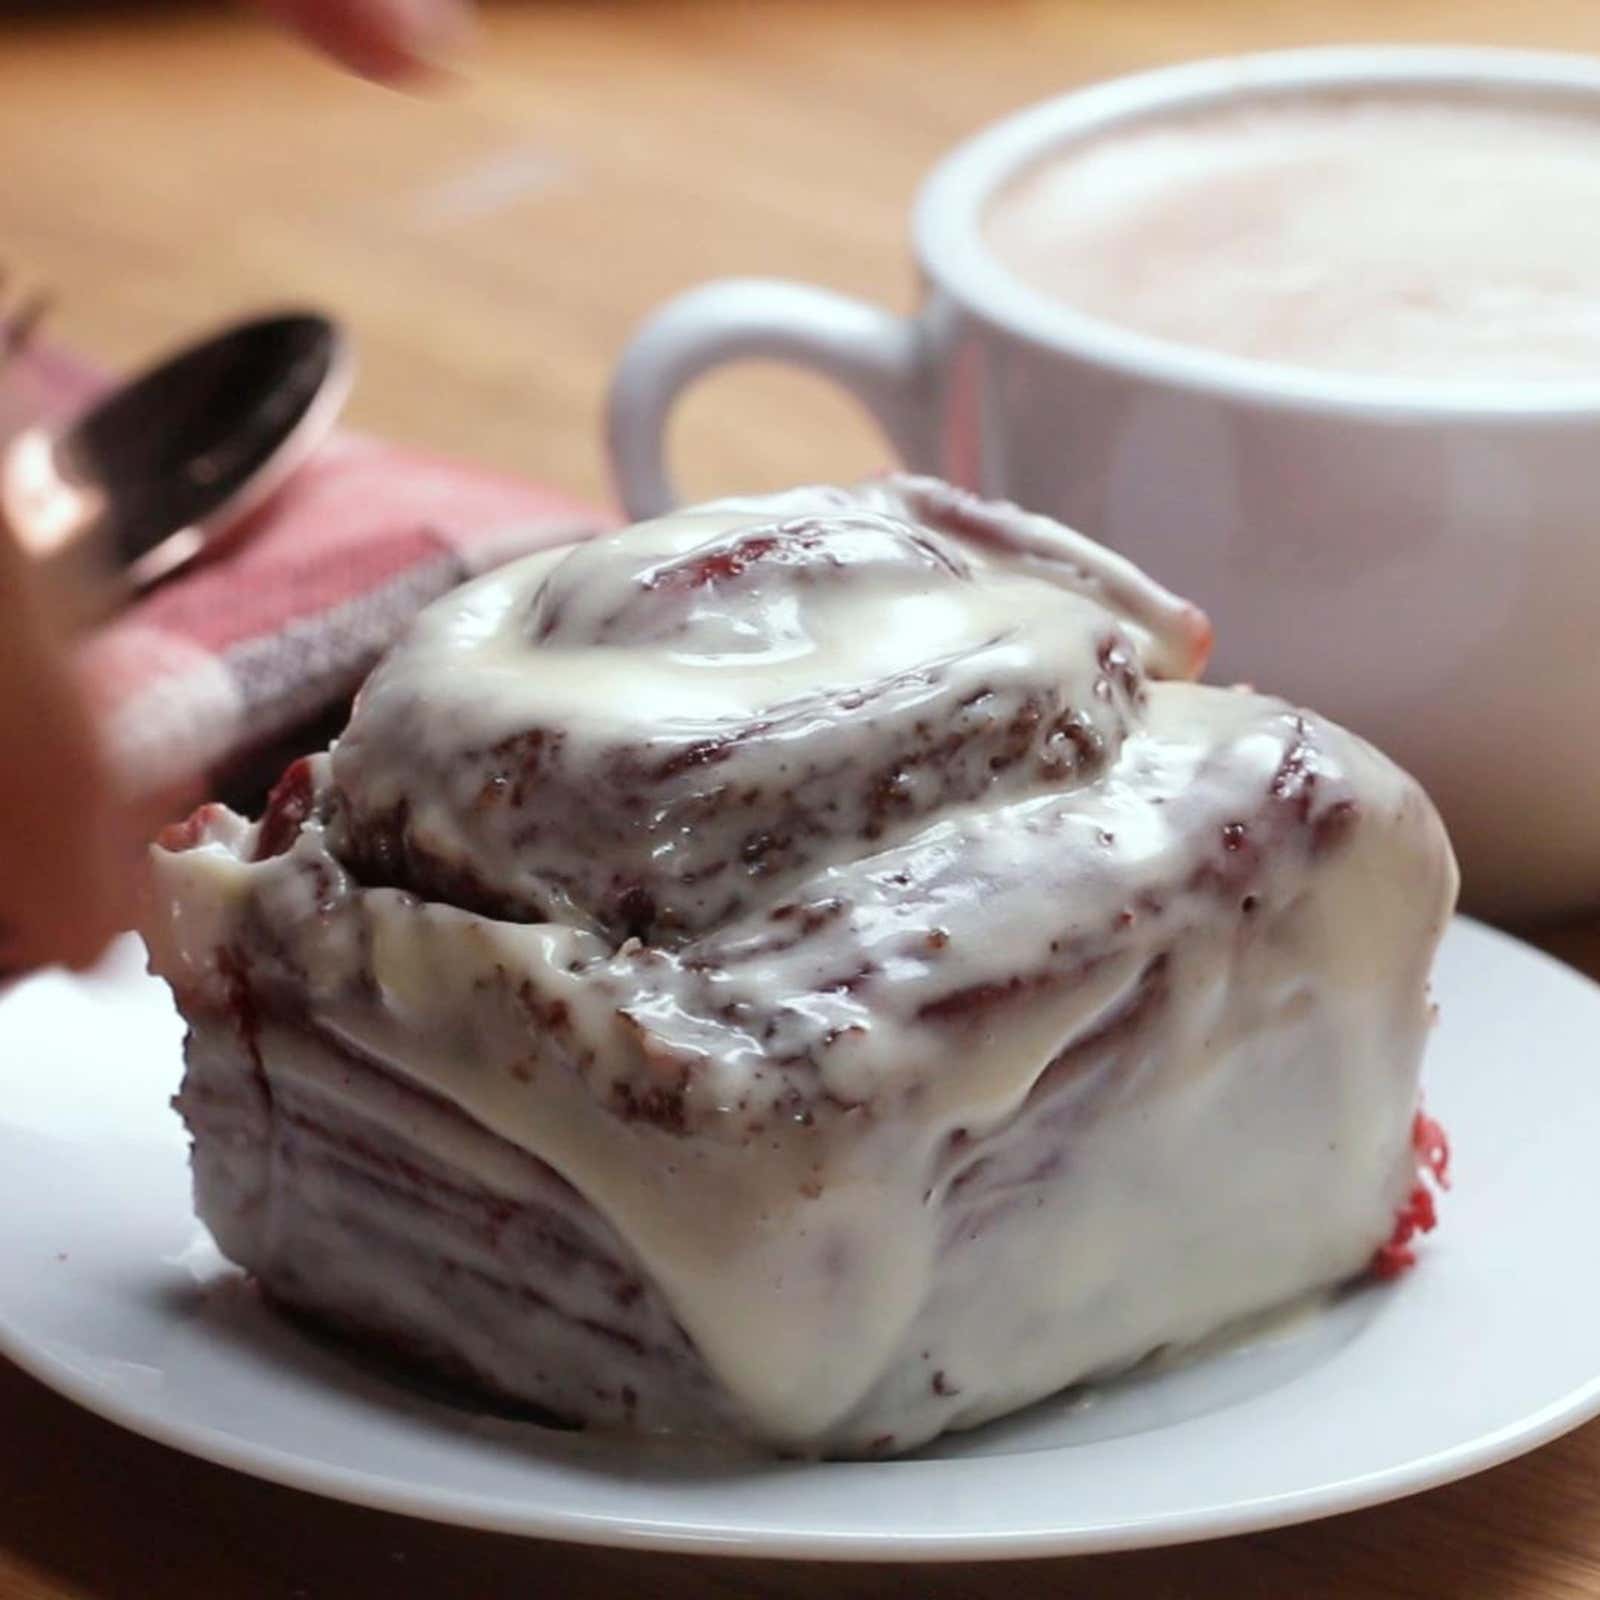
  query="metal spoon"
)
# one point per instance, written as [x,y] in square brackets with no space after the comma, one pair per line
[165,467]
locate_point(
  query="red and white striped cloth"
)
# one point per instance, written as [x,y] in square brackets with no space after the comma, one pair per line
[218,670]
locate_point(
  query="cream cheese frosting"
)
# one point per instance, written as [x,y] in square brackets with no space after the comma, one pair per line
[938,998]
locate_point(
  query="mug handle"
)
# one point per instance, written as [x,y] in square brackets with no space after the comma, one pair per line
[877,357]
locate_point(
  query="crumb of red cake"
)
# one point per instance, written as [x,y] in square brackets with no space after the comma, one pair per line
[1419,1214]
[288,806]
[1432,1145]
[192,831]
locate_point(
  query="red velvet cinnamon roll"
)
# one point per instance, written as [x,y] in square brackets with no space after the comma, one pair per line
[812,968]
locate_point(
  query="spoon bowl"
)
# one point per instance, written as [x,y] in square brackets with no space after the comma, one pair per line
[166,467]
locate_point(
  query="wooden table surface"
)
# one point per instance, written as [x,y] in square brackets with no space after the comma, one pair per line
[164,166]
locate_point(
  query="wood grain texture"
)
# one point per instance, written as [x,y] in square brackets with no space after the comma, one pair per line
[492,247]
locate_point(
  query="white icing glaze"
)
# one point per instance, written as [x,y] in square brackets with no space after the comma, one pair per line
[633,735]
[1145,1023]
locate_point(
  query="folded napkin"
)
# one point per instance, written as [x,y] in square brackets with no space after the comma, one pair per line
[214,680]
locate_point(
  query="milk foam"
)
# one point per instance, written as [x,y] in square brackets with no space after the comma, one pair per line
[1423,238]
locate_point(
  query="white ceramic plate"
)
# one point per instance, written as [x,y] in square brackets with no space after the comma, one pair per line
[110,1293]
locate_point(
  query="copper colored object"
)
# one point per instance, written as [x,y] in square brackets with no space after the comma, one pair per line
[165,467]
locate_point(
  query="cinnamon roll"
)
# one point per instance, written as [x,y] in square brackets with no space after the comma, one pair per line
[811,968]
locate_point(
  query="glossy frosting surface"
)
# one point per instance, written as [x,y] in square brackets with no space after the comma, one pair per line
[939,997]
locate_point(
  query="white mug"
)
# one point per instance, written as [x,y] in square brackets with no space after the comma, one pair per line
[1416,560]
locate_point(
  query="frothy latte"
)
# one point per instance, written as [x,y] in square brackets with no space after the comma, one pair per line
[1423,238]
